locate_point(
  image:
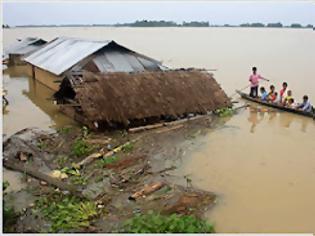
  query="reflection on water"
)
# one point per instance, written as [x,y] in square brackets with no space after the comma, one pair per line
[29,103]
[257,114]
[264,172]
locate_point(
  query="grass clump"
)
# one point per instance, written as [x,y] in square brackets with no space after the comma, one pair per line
[66,213]
[64,130]
[224,112]
[157,223]
[80,148]
[109,160]
[128,147]
[9,216]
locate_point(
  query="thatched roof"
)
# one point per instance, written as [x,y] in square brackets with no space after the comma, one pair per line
[121,97]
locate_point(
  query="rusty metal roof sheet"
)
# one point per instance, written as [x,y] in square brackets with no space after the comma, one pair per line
[24,46]
[62,53]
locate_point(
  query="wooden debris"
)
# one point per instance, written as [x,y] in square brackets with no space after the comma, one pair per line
[148,189]
[159,125]
[98,141]
[102,153]
[31,171]
[166,129]
[22,156]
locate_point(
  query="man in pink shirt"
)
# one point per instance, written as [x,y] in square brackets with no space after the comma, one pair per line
[254,82]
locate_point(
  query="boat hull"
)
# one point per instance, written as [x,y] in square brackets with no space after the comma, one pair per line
[287,109]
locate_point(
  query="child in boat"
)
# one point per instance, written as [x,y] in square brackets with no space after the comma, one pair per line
[291,103]
[271,94]
[275,98]
[287,98]
[254,83]
[264,94]
[305,105]
[282,91]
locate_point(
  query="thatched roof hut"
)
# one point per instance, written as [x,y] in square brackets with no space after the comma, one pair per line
[127,98]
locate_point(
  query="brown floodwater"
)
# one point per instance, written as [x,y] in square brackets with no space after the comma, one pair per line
[261,163]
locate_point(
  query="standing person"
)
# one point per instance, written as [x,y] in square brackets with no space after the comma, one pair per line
[254,82]
[282,91]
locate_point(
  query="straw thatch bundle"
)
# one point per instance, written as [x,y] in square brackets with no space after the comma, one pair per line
[123,97]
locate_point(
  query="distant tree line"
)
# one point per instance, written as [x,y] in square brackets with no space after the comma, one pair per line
[275,25]
[163,23]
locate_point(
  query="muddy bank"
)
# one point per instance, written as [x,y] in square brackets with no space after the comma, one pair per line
[120,174]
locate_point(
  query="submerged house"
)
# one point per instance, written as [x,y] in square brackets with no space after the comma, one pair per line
[52,62]
[15,53]
[102,100]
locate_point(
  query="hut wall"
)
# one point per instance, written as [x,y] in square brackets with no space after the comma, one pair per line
[15,59]
[45,77]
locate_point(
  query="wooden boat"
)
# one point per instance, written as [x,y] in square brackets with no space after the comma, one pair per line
[273,105]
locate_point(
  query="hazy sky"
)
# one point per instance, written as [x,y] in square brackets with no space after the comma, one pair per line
[89,12]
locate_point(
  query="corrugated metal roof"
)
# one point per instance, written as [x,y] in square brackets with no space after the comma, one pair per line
[123,61]
[24,46]
[62,53]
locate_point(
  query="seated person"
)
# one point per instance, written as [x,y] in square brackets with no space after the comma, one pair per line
[275,98]
[287,98]
[305,105]
[264,94]
[271,94]
[290,103]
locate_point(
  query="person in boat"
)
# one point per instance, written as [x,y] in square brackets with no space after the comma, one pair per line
[282,91]
[291,103]
[254,82]
[275,98]
[305,105]
[264,94]
[287,98]
[271,94]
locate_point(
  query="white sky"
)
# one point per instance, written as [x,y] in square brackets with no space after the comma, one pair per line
[98,12]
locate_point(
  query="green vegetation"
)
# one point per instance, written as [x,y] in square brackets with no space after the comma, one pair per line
[66,213]
[196,24]
[80,148]
[162,23]
[85,131]
[224,112]
[275,25]
[295,25]
[64,130]
[108,160]
[41,144]
[128,147]
[61,160]
[70,171]
[76,177]
[156,223]
[252,25]
[5,185]
[9,216]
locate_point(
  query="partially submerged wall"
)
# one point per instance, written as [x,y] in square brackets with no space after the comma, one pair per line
[48,79]
[126,98]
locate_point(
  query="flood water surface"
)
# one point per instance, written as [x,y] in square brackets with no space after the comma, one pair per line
[261,163]
[262,166]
